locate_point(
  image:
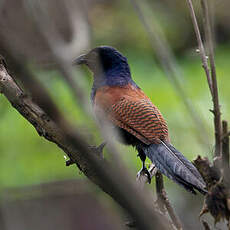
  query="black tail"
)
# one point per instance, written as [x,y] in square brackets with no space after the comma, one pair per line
[174,165]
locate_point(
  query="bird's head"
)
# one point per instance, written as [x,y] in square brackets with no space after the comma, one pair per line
[106,62]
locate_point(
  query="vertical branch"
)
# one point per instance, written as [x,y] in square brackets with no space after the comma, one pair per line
[159,190]
[212,82]
[225,146]
[215,98]
[200,45]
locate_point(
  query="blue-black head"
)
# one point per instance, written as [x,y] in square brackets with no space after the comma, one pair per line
[109,66]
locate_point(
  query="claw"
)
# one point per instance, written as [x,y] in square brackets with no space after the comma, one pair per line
[144,171]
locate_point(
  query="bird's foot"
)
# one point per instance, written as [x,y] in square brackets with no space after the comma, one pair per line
[144,172]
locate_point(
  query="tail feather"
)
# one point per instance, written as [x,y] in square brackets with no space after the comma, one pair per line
[175,166]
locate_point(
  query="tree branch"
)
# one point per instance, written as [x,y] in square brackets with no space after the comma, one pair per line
[215,98]
[211,79]
[225,147]
[163,201]
[200,45]
[115,183]
[160,191]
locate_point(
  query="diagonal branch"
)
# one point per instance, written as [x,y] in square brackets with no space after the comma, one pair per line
[225,153]
[114,182]
[163,201]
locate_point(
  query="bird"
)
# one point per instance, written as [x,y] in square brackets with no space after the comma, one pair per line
[137,120]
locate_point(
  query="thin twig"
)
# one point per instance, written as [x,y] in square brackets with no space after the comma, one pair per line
[201,46]
[160,191]
[225,148]
[211,79]
[163,201]
[215,97]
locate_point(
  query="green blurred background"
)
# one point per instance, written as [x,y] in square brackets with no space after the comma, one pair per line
[28,159]
[39,160]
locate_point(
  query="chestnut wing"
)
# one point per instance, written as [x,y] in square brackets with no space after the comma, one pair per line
[140,118]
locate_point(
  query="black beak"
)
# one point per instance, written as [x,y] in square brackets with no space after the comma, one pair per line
[80,60]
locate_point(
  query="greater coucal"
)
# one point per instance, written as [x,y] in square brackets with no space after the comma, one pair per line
[137,120]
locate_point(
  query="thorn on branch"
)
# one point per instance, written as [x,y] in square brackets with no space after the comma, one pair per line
[69,162]
[212,111]
[225,135]
[99,149]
